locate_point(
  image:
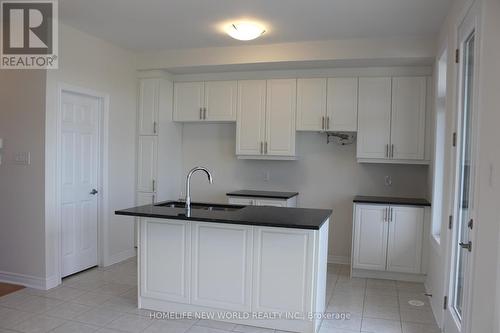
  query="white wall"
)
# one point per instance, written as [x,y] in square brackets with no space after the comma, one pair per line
[326,176]
[22,128]
[92,63]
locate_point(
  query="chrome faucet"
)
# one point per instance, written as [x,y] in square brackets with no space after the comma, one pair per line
[188,185]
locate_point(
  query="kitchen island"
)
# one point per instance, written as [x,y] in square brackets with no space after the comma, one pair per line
[252,265]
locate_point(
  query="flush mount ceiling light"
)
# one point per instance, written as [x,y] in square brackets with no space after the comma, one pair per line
[245,30]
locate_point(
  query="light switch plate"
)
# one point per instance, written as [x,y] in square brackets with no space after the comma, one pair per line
[22,158]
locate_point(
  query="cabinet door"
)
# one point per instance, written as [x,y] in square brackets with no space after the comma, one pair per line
[146,163]
[149,92]
[408,118]
[374,117]
[282,278]
[165,259]
[270,202]
[188,101]
[220,100]
[370,237]
[280,117]
[222,263]
[405,239]
[251,117]
[342,106]
[311,104]
[142,198]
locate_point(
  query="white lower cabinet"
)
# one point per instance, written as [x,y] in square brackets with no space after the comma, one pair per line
[220,268]
[165,259]
[388,238]
[222,263]
[282,253]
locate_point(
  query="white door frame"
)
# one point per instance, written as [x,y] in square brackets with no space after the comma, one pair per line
[471,8]
[102,186]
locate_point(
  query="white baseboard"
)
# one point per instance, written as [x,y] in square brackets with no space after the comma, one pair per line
[118,257]
[24,280]
[363,273]
[342,260]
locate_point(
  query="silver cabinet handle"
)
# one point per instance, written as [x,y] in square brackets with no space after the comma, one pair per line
[385,215]
[154,127]
[154,185]
[265,148]
[392,150]
[153,200]
[262,147]
[387,150]
[323,122]
[201,113]
[391,211]
[204,113]
[327,123]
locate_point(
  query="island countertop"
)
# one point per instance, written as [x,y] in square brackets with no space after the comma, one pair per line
[267,216]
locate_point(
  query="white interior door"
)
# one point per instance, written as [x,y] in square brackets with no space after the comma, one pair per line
[461,245]
[79,181]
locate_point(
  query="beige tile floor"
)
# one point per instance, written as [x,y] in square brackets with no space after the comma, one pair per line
[104,300]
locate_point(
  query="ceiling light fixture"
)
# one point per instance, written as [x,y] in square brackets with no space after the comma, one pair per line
[245,30]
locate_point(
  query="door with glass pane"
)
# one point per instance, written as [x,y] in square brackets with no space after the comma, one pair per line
[461,245]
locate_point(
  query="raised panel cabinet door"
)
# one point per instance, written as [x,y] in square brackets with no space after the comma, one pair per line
[342,104]
[220,100]
[142,198]
[282,274]
[188,101]
[149,94]
[370,237]
[281,107]
[222,266]
[165,259]
[147,156]
[405,239]
[408,118]
[311,104]
[374,117]
[251,117]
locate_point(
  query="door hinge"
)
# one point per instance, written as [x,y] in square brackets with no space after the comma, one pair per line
[445,303]
[457,56]
[454,139]
[450,222]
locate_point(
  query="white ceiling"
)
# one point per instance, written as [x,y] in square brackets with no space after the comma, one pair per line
[147,25]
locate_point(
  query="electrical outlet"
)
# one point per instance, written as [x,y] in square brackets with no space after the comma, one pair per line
[388,180]
[22,158]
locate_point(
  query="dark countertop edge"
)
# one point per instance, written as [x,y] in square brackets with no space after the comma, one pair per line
[269,196]
[251,223]
[392,201]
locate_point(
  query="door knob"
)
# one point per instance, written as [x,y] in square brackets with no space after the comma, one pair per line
[94,191]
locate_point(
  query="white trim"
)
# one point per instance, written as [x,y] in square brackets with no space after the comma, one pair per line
[340,260]
[364,273]
[103,187]
[29,280]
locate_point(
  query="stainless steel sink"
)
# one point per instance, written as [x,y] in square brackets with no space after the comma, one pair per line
[203,206]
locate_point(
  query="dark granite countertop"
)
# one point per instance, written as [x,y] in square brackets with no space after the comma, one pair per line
[391,200]
[263,194]
[281,217]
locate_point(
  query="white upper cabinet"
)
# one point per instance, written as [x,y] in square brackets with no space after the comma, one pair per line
[280,117]
[408,118]
[265,124]
[205,101]
[374,118]
[147,156]
[251,115]
[311,104]
[342,104]
[188,101]
[149,92]
[220,100]
[391,120]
